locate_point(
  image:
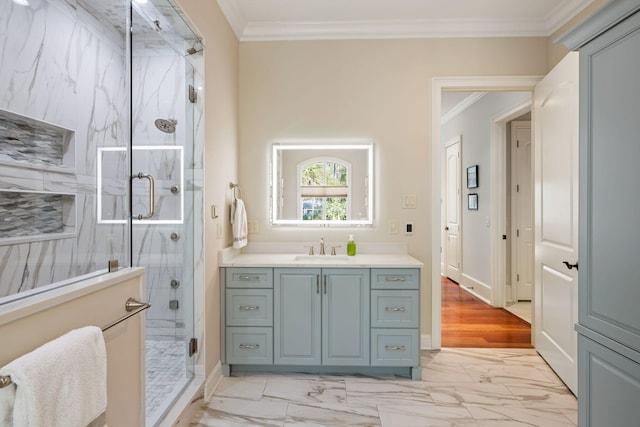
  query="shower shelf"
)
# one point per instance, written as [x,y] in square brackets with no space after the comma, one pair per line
[29,216]
[35,144]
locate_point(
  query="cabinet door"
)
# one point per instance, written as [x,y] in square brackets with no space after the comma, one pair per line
[609,202]
[345,316]
[297,316]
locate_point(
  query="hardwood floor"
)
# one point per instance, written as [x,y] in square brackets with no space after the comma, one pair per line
[469,322]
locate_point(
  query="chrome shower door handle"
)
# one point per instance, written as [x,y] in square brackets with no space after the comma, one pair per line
[152,196]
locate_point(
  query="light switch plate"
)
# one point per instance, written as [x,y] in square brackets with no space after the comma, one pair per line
[252,226]
[393,227]
[409,201]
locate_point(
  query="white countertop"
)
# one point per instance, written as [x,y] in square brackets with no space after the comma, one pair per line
[300,260]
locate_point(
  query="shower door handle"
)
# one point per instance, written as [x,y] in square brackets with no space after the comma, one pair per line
[152,196]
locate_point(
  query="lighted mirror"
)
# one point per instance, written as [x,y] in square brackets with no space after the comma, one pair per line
[322,184]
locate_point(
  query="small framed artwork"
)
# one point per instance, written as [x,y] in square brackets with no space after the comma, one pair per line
[472,176]
[472,200]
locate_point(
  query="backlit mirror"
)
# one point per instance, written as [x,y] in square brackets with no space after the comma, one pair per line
[322,184]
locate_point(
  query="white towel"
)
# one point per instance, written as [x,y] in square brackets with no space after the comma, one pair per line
[63,383]
[239,222]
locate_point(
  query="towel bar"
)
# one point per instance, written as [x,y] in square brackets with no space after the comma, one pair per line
[132,306]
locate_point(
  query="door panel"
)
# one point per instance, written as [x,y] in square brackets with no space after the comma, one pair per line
[453,245]
[522,210]
[556,218]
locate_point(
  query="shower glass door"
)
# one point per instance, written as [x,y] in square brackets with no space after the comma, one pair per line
[166,198]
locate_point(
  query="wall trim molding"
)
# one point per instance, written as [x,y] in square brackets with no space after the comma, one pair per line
[213,381]
[461,106]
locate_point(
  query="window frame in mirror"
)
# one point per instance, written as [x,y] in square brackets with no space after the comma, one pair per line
[331,147]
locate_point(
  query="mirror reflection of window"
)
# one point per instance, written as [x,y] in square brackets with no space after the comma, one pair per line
[324,190]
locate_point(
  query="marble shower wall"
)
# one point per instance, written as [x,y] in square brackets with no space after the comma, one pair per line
[63,66]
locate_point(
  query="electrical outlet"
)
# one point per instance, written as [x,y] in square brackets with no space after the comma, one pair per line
[409,201]
[393,227]
[252,226]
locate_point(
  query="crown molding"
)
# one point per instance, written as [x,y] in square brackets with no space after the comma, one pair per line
[234,15]
[460,107]
[394,29]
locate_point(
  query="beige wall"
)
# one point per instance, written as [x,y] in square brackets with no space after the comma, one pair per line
[371,89]
[221,152]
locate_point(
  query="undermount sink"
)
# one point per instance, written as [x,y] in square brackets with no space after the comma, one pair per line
[329,259]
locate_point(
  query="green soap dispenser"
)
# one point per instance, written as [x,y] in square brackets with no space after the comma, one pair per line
[351,246]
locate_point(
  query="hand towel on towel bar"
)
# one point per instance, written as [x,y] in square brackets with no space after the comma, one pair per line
[239,222]
[62,383]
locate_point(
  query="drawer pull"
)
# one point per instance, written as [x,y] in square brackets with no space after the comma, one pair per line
[395,347]
[395,309]
[246,277]
[249,307]
[249,346]
[395,279]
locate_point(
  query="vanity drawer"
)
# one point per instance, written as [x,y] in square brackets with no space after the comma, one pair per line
[395,309]
[395,278]
[249,346]
[249,277]
[395,347]
[249,307]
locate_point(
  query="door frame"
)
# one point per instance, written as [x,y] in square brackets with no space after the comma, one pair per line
[498,157]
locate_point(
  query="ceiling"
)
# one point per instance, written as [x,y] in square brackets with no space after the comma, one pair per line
[362,19]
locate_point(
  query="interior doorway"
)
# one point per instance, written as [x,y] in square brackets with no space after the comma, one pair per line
[494,219]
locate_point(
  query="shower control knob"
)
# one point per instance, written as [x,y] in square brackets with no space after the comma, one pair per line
[175,237]
[175,284]
[175,189]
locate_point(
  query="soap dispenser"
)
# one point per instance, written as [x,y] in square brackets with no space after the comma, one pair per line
[351,246]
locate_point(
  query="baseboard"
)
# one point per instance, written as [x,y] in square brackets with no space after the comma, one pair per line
[425,342]
[476,288]
[213,381]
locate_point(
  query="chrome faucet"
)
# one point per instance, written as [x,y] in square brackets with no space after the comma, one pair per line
[322,246]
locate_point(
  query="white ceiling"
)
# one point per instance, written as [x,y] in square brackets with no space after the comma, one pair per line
[360,19]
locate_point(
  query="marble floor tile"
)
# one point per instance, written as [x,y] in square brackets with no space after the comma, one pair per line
[514,417]
[303,390]
[472,393]
[233,412]
[331,415]
[425,415]
[386,392]
[460,387]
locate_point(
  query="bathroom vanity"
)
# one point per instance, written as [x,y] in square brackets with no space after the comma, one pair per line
[332,313]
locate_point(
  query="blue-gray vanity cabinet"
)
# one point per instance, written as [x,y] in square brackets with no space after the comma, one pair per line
[297,308]
[321,316]
[248,313]
[395,318]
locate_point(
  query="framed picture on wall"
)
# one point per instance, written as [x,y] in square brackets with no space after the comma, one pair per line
[472,176]
[472,200]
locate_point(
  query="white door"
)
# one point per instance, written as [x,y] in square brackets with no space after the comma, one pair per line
[452,237]
[522,210]
[556,218]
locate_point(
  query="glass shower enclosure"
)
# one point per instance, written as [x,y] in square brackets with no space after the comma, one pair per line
[101,159]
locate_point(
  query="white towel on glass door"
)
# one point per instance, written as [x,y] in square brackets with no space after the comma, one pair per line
[62,383]
[239,223]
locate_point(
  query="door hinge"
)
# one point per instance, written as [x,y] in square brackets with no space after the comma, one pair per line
[517,188]
[113,265]
[517,233]
[517,277]
[517,143]
[193,94]
[193,346]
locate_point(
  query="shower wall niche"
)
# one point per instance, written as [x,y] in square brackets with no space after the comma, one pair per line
[35,208]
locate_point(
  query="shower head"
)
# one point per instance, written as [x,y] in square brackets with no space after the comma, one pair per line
[166,125]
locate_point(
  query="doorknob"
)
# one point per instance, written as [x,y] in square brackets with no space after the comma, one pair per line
[570,266]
